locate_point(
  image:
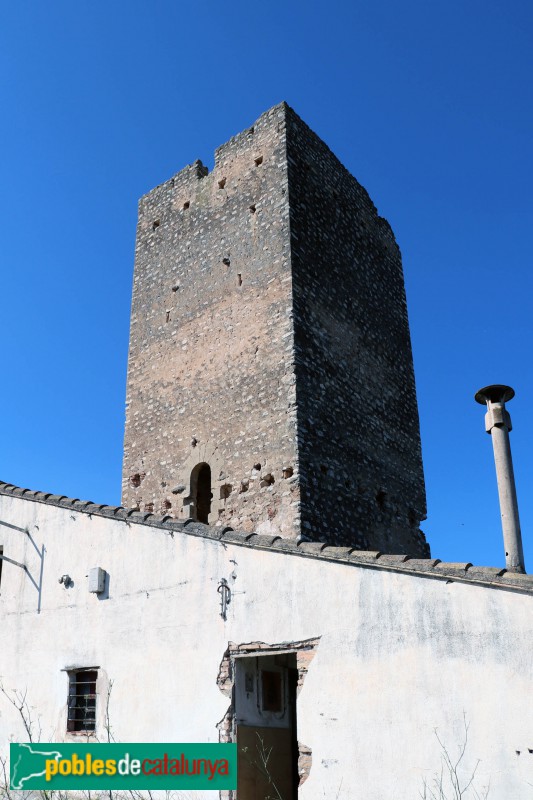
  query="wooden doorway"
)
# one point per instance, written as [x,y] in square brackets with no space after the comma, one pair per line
[265,716]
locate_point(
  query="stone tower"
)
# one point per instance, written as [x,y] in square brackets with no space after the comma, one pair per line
[270,375]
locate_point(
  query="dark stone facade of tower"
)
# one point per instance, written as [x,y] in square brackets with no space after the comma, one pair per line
[270,376]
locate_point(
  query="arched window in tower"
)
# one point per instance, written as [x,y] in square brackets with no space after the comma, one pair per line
[201,492]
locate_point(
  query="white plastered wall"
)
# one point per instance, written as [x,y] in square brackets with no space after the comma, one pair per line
[399,655]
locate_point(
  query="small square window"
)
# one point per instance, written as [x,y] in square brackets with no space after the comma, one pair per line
[82,700]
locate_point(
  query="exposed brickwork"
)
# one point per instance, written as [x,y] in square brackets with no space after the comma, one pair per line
[305,762]
[225,682]
[269,339]
[304,656]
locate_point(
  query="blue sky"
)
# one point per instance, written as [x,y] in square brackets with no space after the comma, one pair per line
[428,104]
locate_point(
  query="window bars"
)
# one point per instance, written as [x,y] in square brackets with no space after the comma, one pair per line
[82,700]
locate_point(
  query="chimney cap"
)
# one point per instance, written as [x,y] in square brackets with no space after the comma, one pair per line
[496,393]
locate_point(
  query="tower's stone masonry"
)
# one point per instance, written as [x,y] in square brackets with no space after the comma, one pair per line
[361,475]
[210,376]
[270,357]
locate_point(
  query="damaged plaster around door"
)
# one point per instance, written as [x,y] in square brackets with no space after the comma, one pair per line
[302,653]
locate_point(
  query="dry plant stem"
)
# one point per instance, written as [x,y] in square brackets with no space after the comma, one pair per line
[448,785]
[33,731]
[261,764]
[18,701]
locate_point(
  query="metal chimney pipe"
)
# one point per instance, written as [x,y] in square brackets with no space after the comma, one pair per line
[498,425]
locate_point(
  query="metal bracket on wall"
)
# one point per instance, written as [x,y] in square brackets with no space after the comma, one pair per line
[40,552]
[225,597]
[12,561]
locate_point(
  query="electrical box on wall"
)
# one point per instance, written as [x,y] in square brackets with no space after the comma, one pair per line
[97,577]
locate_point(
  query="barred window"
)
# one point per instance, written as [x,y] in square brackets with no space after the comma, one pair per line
[82,700]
